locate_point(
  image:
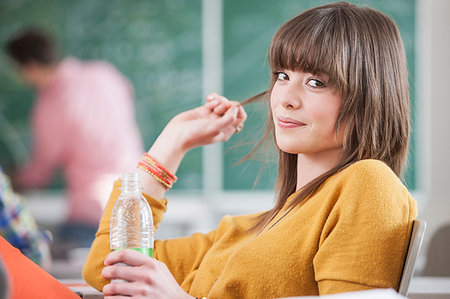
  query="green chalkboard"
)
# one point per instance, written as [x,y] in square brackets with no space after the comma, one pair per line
[248,28]
[157,45]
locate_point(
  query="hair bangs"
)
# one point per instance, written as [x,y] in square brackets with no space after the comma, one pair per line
[313,44]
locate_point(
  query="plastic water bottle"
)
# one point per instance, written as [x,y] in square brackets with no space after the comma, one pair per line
[131,223]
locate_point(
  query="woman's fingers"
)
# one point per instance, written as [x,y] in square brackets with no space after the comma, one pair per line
[125,272]
[127,256]
[232,120]
[155,281]
[238,122]
[215,121]
[211,96]
[218,104]
[116,287]
[222,108]
[241,117]
[128,289]
[223,127]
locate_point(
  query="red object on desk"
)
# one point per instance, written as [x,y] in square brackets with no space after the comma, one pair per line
[28,280]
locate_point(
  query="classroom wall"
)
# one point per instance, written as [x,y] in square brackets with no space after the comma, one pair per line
[433,77]
[432,63]
[156,44]
[159,46]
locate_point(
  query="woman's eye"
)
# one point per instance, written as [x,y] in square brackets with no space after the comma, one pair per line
[281,76]
[315,83]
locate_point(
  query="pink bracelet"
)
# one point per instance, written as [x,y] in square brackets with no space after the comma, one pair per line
[162,175]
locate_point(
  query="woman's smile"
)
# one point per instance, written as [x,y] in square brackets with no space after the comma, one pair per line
[287,123]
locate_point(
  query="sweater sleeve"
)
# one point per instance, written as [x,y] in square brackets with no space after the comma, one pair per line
[100,247]
[183,256]
[365,238]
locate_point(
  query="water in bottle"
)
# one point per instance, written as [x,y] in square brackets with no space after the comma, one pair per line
[131,218]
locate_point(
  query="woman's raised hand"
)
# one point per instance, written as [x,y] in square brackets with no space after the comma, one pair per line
[144,277]
[215,121]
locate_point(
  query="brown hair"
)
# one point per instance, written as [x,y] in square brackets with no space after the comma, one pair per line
[32,46]
[360,50]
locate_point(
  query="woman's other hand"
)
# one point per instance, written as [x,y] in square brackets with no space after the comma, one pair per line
[144,277]
[215,121]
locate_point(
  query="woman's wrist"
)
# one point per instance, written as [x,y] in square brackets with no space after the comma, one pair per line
[168,150]
[156,170]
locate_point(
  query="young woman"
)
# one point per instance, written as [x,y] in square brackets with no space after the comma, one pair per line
[339,106]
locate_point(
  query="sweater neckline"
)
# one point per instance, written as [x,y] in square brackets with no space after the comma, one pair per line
[267,227]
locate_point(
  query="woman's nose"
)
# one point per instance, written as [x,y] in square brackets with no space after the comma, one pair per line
[291,98]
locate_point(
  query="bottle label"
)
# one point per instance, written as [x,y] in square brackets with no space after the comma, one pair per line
[146,251]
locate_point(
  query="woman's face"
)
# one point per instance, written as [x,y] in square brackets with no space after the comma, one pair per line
[305,110]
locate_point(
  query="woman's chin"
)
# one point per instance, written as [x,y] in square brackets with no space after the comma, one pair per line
[289,149]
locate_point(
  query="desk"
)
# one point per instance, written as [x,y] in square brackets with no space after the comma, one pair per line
[420,288]
[81,288]
[423,287]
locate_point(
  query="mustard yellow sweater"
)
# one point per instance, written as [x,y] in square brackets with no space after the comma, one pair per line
[352,234]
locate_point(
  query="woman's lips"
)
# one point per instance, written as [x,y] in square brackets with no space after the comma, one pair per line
[287,122]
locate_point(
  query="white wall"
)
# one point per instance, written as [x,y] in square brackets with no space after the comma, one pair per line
[433,111]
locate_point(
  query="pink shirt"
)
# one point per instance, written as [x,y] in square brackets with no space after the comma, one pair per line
[84,122]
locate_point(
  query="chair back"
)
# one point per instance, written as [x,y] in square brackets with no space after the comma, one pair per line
[438,257]
[415,242]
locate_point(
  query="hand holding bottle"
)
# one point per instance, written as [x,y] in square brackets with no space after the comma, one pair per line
[147,278]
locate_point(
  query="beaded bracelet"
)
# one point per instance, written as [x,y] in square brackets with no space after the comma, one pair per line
[162,175]
[152,171]
[161,171]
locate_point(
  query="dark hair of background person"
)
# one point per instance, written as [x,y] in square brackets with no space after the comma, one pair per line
[32,46]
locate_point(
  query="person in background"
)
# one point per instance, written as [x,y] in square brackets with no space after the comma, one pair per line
[18,227]
[339,114]
[83,122]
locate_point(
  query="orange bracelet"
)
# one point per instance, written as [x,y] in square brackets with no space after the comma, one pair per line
[153,161]
[154,172]
[156,167]
[162,175]
[166,185]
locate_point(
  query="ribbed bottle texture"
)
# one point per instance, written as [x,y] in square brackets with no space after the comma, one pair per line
[131,218]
